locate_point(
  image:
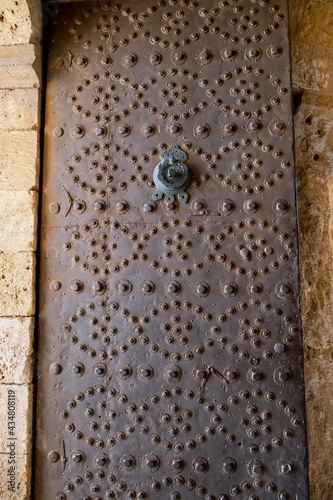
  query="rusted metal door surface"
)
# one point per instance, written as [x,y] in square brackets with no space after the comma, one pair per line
[170,351]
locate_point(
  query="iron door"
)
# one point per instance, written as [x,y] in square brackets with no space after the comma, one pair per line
[170,352]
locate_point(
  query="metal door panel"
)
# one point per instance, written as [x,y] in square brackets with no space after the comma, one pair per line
[169,352]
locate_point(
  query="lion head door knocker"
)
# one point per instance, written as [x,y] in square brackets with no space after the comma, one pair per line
[172,176]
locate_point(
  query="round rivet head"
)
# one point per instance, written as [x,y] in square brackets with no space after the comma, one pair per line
[202,289]
[283,289]
[154,58]
[105,61]
[279,347]
[172,373]
[274,51]
[81,61]
[254,126]
[148,129]
[198,205]
[200,465]
[202,130]
[54,208]
[176,464]
[123,287]
[149,207]
[253,53]
[55,285]
[77,131]
[254,288]
[228,128]
[255,468]
[277,127]
[58,64]
[145,372]
[124,130]
[172,288]
[204,56]
[101,460]
[55,368]
[98,287]
[147,287]
[99,206]
[282,375]
[250,206]
[231,374]
[255,376]
[228,465]
[285,467]
[53,456]
[229,289]
[58,132]
[174,129]
[129,60]
[280,206]
[124,371]
[100,131]
[179,57]
[127,462]
[76,286]
[99,370]
[78,457]
[151,462]
[200,372]
[226,207]
[121,206]
[77,369]
[283,495]
[229,54]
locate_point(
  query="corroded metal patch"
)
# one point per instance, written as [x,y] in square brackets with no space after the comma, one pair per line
[170,352]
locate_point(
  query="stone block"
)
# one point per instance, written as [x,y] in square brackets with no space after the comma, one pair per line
[20,66]
[296,9]
[16,350]
[14,77]
[19,109]
[319,389]
[316,281]
[17,284]
[19,160]
[20,21]
[18,221]
[316,24]
[22,478]
[16,423]
[330,197]
[19,55]
[314,139]
[314,131]
[312,68]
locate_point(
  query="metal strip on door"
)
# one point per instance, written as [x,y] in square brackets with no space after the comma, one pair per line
[170,359]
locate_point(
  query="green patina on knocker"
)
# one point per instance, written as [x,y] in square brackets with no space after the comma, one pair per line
[172,176]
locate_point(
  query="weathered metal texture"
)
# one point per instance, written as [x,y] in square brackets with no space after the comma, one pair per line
[170,352]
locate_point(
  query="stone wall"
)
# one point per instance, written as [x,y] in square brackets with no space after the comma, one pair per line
[20,84]
[312,60]
[20,81]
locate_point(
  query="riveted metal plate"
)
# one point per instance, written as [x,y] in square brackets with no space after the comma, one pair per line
[170,352]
